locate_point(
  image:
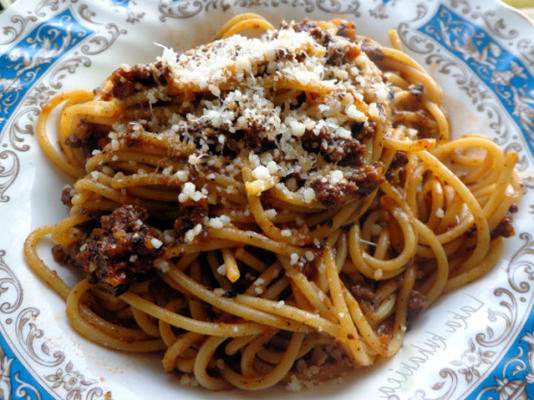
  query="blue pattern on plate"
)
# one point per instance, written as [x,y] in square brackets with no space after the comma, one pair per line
[503,72]
[506,75]
[120,3]
[15,380]
[513,377]
[22,65]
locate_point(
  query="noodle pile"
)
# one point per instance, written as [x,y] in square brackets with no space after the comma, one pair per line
[274,209]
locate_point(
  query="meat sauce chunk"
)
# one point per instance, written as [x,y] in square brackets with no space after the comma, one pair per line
[118,252]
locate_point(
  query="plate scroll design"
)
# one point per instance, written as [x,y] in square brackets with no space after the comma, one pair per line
[95,42]
[13,31]
[502,72]
[9,283]
[54,61]
[480,357]
[381,10]
[468,79]
[24,64]
[73,37]
[190,8]
[477,363]
[130,7]
[9,169]
[74,384]
[62,377]
[28,334]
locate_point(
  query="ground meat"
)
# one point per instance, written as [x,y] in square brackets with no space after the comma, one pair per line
[190,215]
[298,101]
[396,173]
[88,137]
[416,90]
[399,160]
[421,121]
[328,194]
[504,229]
[346,152]
[73,141]
[66,196]
[60,256]
[124,80]
[365,294]
[347,30]
[359,182]
[323,363]
[312,142]
[322,36]
[372,49]
[471,232]
[417,303]
[293,181]
[255,136]
[304,26]
[356,128]
[120,251]
[363,131]
[367,179]
[337,56]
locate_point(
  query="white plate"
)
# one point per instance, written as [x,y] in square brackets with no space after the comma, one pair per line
[474,343]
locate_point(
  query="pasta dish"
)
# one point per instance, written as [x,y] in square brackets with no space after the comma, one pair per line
[273,209]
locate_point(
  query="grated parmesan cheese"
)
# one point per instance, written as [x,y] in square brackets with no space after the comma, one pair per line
[297,128]
[155,242]
[271,213]
[309,195]
[194,159]
[336,176]
[272,167]
[353,113]
[294,384]
[168,236]
[373,110]
[286,232]
[221,269]
[162,265]
[219,222]
[182,175]
[381,92]
[261,172]
[192,233]
[189,192]
[378,273]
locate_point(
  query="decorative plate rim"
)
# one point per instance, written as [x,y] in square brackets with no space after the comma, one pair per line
[62,376]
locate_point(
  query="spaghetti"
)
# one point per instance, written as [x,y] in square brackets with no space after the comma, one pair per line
[274,209]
